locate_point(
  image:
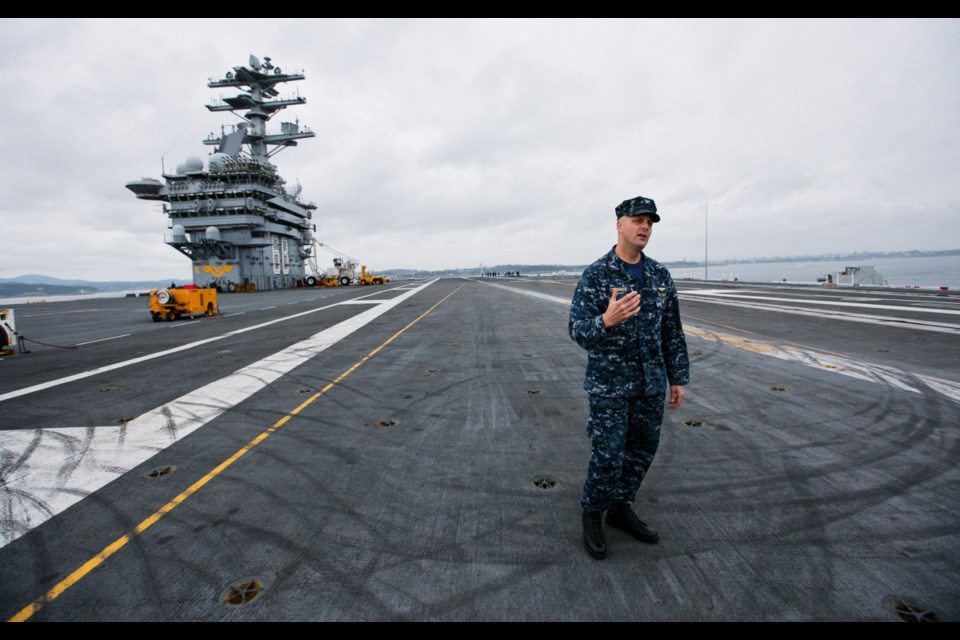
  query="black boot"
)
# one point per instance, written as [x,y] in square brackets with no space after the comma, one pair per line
[621,516]
[593,539]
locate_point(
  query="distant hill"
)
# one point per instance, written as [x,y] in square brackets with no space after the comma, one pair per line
[17,289]
[36,284]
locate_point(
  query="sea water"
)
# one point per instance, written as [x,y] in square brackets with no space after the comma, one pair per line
[920,271]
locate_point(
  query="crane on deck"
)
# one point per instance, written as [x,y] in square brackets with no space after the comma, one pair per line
[343,273]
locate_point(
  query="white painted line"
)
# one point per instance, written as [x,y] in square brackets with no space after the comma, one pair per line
[55,468]
[948,388]
[710,292]
[532,294]
[364,302]
[80,344]
[126,363]
[268,308]
[871,372]
[60,313]
[875,307]
[889,376]
[888,321]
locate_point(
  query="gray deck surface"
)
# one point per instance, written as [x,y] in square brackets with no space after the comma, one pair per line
[820,484]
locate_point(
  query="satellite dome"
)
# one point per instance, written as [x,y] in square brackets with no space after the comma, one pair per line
[178,232]
[193,163]
[213,234]
[182,167]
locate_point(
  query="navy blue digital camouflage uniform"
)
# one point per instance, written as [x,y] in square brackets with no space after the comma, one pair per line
[630,367]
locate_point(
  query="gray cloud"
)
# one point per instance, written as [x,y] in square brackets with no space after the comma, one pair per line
[450,143]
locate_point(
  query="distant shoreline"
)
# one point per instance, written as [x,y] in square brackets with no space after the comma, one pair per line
[41,281]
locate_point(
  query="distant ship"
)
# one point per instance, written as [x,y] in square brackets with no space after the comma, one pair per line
[235,218]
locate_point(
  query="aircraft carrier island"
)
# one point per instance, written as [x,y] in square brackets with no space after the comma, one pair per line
[233,215]
[417,453]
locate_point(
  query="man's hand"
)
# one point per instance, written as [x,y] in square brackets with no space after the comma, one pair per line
[676,396]
[619,310]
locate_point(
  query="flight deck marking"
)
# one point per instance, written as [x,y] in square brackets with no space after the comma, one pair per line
[159,354]
[830,361]
[532,294]
[78,574]
[48,477]
[948,388]
[887,321]
[811,358]
[80,344]
[813,301]
[818,359]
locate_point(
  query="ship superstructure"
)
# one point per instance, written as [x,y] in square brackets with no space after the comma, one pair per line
[234,216]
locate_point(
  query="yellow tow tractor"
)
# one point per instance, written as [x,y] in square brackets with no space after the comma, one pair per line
[170,304]
[370,278]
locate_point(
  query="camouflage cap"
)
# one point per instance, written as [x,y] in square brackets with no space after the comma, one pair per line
[638,206]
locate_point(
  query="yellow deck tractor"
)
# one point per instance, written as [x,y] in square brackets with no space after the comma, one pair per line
[369,278]
[170,304]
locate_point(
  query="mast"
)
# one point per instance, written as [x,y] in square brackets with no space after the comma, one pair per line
[261,100]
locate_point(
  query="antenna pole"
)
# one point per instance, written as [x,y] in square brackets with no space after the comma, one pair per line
[705,267]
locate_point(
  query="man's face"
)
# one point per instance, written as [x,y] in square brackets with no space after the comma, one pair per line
[635,230]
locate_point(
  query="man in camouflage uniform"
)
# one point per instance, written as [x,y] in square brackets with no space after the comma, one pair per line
[626,315]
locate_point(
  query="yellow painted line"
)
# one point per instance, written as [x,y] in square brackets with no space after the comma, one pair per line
[83,570]
[734,341]
[821,358]
[766,348]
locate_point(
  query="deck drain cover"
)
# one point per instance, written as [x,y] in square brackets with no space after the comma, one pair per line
[528,355]
[242,592]
[544,482]
[161,471]
[910,610]
[777,388]
[884,350]
[385,423]
[304,390]
[432,370]
[693,423]
[109,387]
[533,392]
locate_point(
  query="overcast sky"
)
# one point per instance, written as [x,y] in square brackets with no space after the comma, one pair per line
[457,142]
